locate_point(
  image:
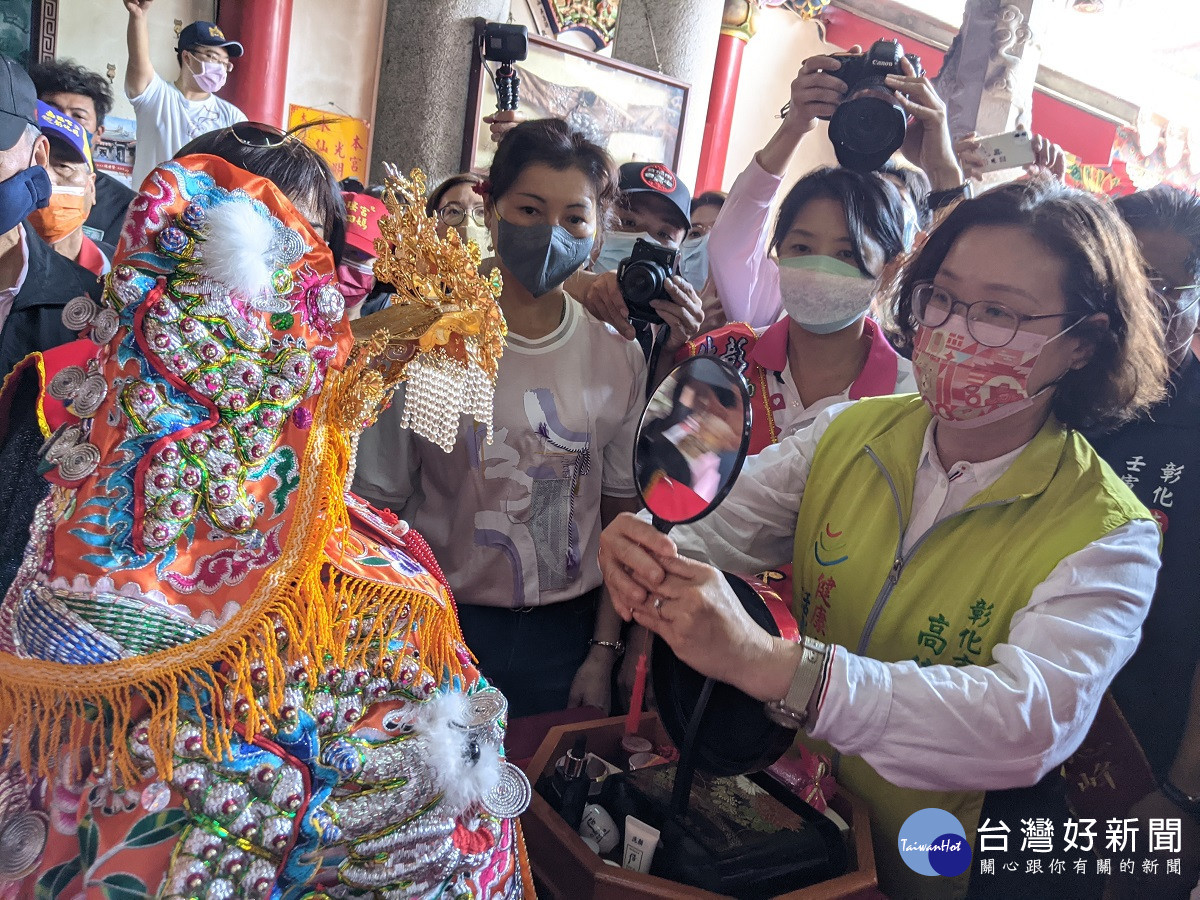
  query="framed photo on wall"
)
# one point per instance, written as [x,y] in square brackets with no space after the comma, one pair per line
[635,114]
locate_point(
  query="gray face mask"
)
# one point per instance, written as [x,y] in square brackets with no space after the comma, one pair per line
[540,257]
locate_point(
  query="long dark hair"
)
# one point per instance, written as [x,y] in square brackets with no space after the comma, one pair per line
[1127,371]
[873,208]
[289,164]
[556,144]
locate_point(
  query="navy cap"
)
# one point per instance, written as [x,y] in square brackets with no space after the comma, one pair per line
[18,102]
[656,178]
[207,34]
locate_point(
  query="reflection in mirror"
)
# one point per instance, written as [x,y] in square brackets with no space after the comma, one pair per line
[692,440]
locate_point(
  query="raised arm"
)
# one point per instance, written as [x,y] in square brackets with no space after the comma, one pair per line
[139,72]
[746,278]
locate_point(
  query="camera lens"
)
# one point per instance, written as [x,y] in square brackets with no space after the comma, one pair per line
[869,127]
[641,281]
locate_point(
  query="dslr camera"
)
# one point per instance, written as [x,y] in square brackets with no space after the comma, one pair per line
[643,276]
[869,125]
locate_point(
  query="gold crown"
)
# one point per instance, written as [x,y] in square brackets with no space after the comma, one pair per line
[443,332]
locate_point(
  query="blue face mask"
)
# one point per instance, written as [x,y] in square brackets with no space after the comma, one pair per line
[617,247]
[693,261]
[21,195]
[540,257]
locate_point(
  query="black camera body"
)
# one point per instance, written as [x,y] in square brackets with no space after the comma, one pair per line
[643,277]
[504,43]
[874,65]
[869,125]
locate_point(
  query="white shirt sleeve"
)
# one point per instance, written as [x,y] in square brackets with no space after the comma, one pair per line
[152,96]
[1008,724]
[745,276]
[754,528]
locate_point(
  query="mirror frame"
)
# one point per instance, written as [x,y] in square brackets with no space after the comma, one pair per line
[742,452]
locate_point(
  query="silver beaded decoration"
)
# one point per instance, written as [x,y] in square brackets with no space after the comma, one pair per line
[79,312]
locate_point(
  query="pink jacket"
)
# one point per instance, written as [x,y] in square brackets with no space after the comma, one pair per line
[747,279]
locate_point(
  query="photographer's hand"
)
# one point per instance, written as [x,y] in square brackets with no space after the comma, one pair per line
[1050,159]
[601,296]
[683,313]
[814,93]
[972,160]
[935,150]
[502,122]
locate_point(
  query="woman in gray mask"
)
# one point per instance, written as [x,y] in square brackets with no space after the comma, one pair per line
[516,522]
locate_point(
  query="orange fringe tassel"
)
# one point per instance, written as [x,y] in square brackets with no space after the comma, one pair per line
[303,613]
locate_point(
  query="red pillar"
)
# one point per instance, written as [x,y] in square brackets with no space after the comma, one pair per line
[259,78]
[726,71]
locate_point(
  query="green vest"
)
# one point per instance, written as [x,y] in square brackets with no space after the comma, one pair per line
[950,599]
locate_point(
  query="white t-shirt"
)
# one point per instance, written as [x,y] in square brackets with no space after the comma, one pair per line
[517,522]
[166,121]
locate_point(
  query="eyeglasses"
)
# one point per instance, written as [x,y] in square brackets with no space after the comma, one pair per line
[257,134]
[991,324]
[1165,289]
[211,57]
[454,216]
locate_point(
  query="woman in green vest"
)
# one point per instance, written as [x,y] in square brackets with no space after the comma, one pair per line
[969,574]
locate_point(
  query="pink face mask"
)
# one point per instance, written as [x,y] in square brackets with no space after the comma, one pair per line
[967,384]
[355,284]
[211,76]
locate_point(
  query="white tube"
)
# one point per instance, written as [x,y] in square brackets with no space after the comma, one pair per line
[640,843]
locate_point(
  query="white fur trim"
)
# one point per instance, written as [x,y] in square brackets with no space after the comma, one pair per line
[446,743]
[236,247]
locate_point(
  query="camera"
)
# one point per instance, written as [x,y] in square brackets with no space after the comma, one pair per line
[643,277]
[504,43]
[869,125]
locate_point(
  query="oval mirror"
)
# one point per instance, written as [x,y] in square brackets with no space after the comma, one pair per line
[692,441]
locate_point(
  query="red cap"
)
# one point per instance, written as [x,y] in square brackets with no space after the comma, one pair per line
[363,213]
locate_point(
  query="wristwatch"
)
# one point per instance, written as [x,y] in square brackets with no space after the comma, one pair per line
[792,710]
[1186,802]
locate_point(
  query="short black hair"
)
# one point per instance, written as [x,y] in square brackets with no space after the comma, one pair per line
[1165,208]
[65,76]
[709,198]
[556,144]
[873,209]
[291,165]
[1102,273]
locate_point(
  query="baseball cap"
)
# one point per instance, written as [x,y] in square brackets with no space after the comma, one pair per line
[656,178]
[63,131]
[363,213]
[207,34]
[18,102]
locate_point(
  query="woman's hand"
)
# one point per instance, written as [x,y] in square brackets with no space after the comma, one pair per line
[501,122]
[970,157]
[683,313]
[935,151]
[592,685]
[1050,159]
[815,93]
[693,608]
[601,297]
[138,8]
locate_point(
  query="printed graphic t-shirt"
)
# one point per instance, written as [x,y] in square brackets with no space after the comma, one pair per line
[517,522]
[166,121]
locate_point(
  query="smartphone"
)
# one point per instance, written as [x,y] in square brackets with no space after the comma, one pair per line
[1007,151]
